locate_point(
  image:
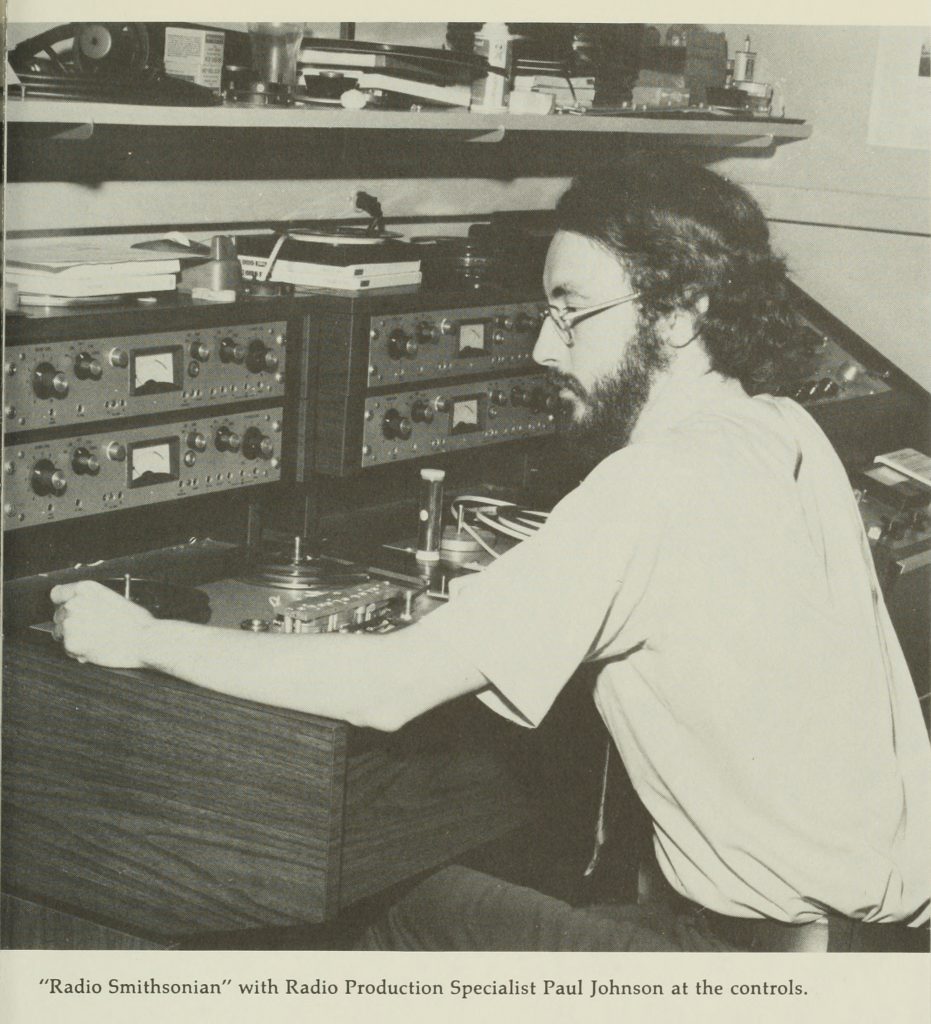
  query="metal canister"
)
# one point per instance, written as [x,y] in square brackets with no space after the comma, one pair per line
[744,63]
[430,514]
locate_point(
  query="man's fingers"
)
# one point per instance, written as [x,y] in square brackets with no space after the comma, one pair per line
[65,591]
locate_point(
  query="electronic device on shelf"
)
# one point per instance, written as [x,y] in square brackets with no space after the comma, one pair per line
[401,377]
[107,62]
[102,417]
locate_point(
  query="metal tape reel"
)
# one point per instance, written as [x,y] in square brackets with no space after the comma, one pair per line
[110,47]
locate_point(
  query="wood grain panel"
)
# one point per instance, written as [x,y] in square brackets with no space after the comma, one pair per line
[160,808]
[439,787]
[25,925]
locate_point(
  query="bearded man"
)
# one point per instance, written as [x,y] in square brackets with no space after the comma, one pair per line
[713,567]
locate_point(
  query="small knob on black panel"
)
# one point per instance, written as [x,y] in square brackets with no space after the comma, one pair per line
[396,426]
[498,397]
[47,382]
[232,351]
[506,323]
[256,445]
[520,396]
[525,323]
[227,440]
[401,344]
[87,367]
[421,411]
[48,479]
[84,462]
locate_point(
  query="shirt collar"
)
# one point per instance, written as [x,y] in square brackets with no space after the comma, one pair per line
[675,399]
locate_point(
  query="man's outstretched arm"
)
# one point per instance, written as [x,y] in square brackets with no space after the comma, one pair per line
[375,681]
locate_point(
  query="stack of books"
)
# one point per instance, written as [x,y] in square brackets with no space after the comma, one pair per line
[342,263]
[47,276]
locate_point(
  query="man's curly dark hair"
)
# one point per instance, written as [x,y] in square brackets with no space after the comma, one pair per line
[681,232]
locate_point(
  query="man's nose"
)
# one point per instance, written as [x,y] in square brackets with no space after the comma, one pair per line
[550,349]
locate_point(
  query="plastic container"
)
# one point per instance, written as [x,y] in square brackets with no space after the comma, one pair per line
[495,43]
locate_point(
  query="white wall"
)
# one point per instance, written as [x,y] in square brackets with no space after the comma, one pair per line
[864,250]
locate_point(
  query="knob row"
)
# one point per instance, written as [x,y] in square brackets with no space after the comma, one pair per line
[402,343]
[396,426]
[50,382]
[48,479]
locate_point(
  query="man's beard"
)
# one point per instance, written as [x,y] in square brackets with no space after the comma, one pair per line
[613,405]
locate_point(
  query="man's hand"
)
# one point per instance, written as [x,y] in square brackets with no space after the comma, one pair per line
[98,625]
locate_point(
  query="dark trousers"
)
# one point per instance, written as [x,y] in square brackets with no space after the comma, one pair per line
[461,909]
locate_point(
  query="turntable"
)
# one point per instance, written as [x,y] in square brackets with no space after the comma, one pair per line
[301,592]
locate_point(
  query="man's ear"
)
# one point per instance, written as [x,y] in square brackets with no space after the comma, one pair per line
[682,326]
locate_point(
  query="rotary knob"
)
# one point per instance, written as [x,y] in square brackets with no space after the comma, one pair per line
[506,323]
[520,396]
[543,401]
[232,351]
[421,411]
[394,425]
[401,344]
[200,351]
[47,382]
[227,440]
[48,479]
[84,462]
[119,358]
[260,357]
[196,441]
[87,367]
[426,332]
[440,404]
[525,323]
[498,397]
[256,445]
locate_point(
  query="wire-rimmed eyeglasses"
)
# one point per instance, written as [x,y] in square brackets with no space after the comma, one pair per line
[565,320]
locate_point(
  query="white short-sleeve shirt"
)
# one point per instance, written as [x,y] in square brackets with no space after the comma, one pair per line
[717,572]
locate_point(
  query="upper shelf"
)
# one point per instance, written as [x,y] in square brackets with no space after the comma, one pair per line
[79,120]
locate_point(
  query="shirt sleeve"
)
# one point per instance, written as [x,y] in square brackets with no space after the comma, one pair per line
[527,621]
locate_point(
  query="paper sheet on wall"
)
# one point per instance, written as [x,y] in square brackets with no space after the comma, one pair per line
[900,111]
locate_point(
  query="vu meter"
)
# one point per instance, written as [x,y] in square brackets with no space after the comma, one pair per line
[471,338]
[153,462]
[154,371]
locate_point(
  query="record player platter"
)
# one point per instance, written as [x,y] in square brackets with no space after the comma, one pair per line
[298,570]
